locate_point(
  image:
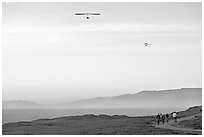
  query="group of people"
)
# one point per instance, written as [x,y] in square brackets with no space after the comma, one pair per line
[165,117]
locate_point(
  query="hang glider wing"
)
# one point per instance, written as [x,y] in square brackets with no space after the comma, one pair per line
[94,13]
[80,13]
[88,13]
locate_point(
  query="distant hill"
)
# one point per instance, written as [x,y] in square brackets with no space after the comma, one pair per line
[19,104]
[176,98]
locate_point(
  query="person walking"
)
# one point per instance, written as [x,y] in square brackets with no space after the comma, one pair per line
[158,118]
[160,115]
[167,117]
[174,116]
[163,119]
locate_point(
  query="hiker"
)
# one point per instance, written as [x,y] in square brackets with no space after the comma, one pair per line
[163,119]
[160,115]
[158,118]
[174,116]
[167,117]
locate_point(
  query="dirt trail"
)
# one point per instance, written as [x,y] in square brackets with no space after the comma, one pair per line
[170,125]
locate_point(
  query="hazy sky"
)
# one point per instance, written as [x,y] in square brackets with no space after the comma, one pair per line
[52,56]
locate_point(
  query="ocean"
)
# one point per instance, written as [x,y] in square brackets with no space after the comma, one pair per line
[15,115]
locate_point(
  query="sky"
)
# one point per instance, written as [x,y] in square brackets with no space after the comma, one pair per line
[52,56]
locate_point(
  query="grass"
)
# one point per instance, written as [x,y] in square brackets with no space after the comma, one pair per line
[92,125]
[195,123]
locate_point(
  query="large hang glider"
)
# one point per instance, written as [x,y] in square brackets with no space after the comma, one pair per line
[87,14]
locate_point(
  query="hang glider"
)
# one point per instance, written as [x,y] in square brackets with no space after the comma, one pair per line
[147,44]
[88,14]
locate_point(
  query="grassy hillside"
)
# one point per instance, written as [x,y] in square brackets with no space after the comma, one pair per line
[91,125]
[195,123]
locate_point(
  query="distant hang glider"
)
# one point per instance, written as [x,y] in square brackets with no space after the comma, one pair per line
[87,14]
[147,44]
